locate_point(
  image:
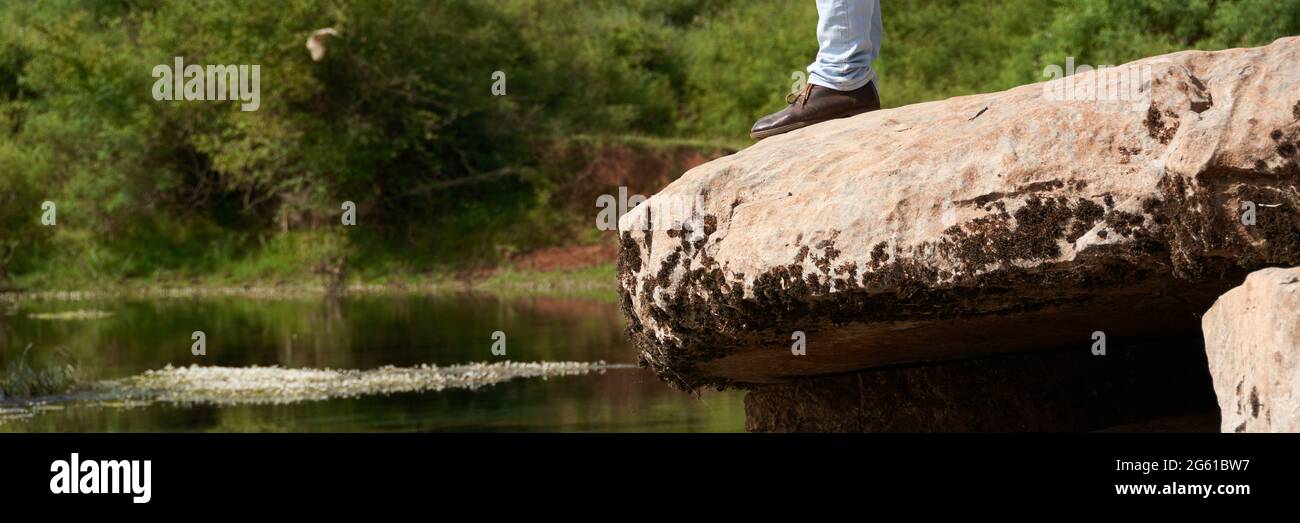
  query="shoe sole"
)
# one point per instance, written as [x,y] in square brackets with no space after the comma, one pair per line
[799,125]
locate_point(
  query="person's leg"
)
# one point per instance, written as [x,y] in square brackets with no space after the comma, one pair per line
[848,38]
[841,82]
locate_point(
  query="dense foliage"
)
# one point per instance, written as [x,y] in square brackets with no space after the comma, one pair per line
[399,116]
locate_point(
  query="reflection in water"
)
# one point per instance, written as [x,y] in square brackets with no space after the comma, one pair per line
[364,332]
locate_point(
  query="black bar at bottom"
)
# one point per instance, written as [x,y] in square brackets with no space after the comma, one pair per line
[315,472]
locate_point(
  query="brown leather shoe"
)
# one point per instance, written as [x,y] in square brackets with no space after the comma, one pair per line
[814,105]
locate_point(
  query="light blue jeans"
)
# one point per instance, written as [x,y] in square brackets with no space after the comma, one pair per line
[848,38]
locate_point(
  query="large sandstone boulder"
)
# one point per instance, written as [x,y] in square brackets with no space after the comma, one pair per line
[1252,339]
[973,226]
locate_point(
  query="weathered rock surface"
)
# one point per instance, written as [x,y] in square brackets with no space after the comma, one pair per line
[1252,338]
[1060,391]
[972,226]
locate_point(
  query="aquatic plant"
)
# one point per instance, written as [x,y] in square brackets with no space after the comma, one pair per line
[22,379]
[278,385]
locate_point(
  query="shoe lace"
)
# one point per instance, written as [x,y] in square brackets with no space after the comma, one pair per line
[801,96]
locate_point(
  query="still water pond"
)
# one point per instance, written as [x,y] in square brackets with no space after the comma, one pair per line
[123,337]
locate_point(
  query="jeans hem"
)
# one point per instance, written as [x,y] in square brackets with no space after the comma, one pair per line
[842,86]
